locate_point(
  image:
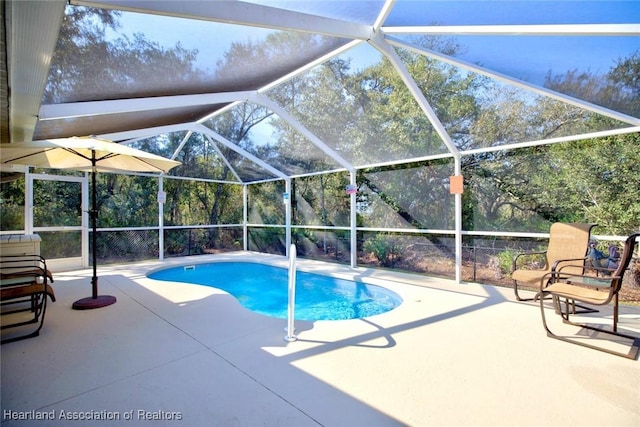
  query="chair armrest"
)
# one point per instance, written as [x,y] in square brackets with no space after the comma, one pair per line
[554,267]
[514,265]
[12,266]
[598,282]
[600,270]
[606,272]
[22,276]
[579,279]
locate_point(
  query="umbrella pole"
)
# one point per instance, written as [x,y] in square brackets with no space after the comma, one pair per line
[95,300]
[94,237]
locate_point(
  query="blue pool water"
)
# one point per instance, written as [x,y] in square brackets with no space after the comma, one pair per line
[263,289]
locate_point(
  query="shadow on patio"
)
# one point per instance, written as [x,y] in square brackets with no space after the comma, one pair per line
[449,355]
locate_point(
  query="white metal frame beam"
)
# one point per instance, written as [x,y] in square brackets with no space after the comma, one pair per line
[558,140]
[239,13]
[194,127]
[184,141]
[384,13]
[300,128]
[95,108]
[222,140]
[520,30]
[381,44]
[514,82]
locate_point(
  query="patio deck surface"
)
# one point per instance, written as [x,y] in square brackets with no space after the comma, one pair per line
[169,354]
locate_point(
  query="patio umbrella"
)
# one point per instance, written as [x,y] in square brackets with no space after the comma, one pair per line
[89,154]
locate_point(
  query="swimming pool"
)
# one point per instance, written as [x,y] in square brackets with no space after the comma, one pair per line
[263,289]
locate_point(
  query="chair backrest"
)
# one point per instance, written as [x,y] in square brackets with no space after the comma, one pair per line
[625,260]
[568,241]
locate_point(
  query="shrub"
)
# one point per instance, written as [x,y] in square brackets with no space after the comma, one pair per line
[504,261]
[384,249]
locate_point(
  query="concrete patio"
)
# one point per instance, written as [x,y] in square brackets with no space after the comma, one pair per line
[169,354]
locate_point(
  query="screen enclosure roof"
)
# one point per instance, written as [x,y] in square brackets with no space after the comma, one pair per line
[242,82]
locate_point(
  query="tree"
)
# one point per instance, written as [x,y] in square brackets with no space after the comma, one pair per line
[625,78]
[88,66]
[618,89]
[601,182]
[530,187]
[12,202]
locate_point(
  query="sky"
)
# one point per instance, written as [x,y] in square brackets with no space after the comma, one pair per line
[191,34]
[511,12]
[530,58]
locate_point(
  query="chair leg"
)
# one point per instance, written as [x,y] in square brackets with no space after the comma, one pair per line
[519,298]
[570,307]
[558,308]
[584,309]
[635,345]
[615,313]
[38,307]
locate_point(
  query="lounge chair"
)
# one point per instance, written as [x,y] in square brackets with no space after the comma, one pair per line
[566,288]
[24,289]
[568,244]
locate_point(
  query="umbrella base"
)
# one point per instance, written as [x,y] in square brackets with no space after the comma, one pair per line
[90,303]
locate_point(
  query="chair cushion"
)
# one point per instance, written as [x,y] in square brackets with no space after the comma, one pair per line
[530,277]
[568,241]
[588,295]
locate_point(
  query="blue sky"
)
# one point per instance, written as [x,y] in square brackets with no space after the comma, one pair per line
[191,34]
[510,12]
[529,57]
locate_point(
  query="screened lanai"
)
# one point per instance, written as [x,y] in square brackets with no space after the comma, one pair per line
[421,135]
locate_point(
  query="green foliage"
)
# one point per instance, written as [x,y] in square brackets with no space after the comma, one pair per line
[592,181]
[61,244]
[367,117]
[618,89]
[602,181]
[116,66]
[56,203]
[265,202]
[384,248]
[12,205]
[504,260]
[321,200]
[412,195]
[127,201]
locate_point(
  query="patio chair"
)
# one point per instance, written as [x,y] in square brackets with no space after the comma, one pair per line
[24,288]
[589,289]
[568,244]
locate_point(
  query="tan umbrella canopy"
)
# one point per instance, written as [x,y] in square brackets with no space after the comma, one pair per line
[85,153]
[80,152]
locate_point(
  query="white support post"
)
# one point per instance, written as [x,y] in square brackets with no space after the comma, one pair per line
[353,221]
[290,330]
[458,235]
[28,205]
[245,213]
[287,205]
[160,219]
